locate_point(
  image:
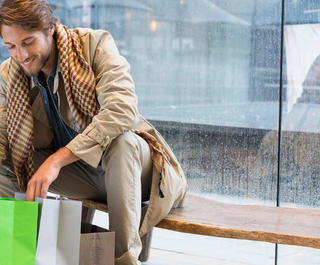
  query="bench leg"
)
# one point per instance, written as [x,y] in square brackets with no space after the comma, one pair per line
[87,215]
[146,243]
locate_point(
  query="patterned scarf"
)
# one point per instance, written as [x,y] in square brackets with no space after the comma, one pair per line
[79,85]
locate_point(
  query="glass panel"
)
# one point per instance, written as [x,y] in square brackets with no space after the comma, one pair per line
[299,174]
[300,136]
[212,88]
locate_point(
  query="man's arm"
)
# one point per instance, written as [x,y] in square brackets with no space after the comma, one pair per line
[48,172]
[116,96]
[3,111]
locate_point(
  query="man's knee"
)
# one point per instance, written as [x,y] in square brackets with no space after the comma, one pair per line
[123,145]
[125,141]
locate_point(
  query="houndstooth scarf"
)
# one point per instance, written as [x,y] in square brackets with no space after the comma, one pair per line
[79,85]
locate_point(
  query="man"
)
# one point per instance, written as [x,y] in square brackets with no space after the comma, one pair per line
[69,124]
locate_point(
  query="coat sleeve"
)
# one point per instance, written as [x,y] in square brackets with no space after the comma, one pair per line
[117,99]
[3,112]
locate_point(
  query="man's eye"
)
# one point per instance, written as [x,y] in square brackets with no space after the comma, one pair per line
[27,43]
[10,47]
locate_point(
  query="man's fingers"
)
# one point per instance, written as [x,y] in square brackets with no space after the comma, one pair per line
[30,191]
[38,189]
[44,190]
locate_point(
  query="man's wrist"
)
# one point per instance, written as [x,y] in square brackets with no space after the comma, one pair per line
[63,157]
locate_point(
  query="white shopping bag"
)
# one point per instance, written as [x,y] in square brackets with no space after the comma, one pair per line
[59,231]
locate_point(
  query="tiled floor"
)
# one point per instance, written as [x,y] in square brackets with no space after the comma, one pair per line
[173,248]
[164,257]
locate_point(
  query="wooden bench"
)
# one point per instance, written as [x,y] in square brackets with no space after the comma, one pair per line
[262,223]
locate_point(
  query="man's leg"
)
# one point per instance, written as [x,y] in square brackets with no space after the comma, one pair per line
[124,180]
[128,170]
[8,181]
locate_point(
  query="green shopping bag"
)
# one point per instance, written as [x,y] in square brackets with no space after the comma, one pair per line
[18,232]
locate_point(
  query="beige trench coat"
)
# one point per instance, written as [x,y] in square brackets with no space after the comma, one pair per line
[118,113]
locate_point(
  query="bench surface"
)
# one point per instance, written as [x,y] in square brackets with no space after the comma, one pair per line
[262,223]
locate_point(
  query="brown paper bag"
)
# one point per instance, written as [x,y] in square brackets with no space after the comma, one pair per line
[96,245]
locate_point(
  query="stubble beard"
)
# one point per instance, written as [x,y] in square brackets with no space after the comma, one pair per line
[41,64]
[43,59]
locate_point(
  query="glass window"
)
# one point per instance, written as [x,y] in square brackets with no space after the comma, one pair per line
[300,124]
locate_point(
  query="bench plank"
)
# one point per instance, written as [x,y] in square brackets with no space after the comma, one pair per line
[262,223]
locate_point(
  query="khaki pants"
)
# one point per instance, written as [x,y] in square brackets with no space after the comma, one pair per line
[123,180]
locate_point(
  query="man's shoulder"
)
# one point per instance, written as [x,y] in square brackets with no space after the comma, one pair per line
[91,33]
[93,39]
[4,76]
[4,68]
[5,64]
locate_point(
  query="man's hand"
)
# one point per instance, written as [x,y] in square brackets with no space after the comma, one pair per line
[48,172]
[39,183]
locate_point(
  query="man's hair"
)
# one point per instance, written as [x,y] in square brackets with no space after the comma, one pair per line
[30,15]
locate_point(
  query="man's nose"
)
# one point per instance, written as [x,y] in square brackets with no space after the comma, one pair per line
[21,54]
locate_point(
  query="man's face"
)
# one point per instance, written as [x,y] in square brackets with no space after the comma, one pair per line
[31,49]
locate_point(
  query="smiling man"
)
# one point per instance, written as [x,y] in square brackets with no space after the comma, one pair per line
[37,51]
[69,124]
